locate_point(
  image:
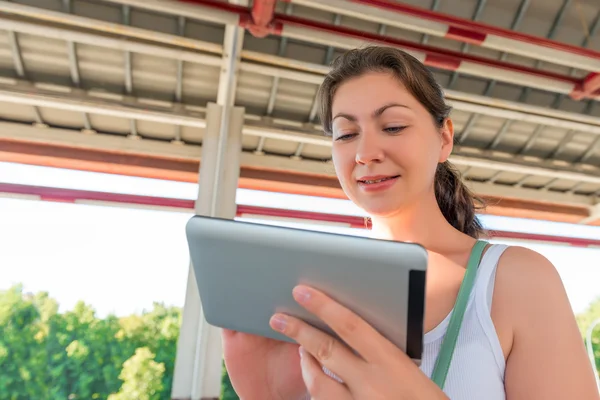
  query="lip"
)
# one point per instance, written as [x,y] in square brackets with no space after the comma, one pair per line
[374,177]
[379,186]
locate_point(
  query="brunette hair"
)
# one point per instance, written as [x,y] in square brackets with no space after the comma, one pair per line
[457,203]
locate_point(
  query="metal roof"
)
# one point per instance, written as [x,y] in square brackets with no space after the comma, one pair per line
[136,75]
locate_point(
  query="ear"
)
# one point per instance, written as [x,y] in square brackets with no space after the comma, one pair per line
[447,135]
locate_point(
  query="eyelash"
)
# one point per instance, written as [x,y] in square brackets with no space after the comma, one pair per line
[345,137]
[395,129]
[391,130]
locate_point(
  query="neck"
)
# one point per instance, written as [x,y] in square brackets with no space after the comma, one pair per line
[422,223]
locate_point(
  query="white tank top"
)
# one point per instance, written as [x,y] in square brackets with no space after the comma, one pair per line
[477,369]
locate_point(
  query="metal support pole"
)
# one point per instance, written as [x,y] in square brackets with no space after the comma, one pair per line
[197,372]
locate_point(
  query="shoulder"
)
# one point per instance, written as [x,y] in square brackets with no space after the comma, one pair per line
[523,260]
[526,282]
[546,359]
[529,297]
[523,267]
[526,285]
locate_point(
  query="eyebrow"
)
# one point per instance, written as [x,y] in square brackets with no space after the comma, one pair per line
[375,113]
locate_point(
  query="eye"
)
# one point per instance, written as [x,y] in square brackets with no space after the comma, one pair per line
[346,136]
[395,129]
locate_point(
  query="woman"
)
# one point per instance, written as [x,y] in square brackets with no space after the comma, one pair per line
[391,141]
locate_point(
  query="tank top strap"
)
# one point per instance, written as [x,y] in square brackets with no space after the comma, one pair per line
[487,274]
[483,296]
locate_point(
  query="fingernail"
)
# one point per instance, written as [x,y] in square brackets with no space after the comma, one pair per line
[279,322]
[301,351]
[301,294]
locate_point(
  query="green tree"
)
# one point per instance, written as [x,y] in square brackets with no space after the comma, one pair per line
[227,391]
[591,314]
[141,376]
[158,330]
[75,354]
[82,363]
[22,352]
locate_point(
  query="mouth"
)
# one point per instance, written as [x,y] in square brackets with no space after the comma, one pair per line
[376,179]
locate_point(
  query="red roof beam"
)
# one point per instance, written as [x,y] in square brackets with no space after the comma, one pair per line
[344,37]
[467,31]
[589,88]
[262,15]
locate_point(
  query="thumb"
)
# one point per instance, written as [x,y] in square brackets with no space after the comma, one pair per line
[319,385]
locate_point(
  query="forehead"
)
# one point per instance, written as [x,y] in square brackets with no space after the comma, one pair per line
[370,91]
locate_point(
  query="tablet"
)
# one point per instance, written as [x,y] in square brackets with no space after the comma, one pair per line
[245,272]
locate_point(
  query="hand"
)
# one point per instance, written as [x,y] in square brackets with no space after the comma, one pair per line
[263,369]
[380,371]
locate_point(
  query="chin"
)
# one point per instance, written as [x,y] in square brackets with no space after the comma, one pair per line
[380,209]
[374,206]
[382,213]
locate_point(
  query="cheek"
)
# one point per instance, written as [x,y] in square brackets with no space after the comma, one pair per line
[408,152]
[343,162]
[418,157]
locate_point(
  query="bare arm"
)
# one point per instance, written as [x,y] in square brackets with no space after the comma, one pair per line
[547,359]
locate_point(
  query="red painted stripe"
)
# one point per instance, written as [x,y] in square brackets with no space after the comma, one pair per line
[573,241]
[477,27]
[447,55]
[262,15]
[273,28]
[442,62]
[262,12]
[465,35]
[455,56]
[589,87]
[71,195]
[353,221]
[55,199]
[591,84]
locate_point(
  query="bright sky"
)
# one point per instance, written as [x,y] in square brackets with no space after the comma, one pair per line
[121,260]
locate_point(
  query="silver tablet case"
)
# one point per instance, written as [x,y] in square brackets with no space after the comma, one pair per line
[245,273]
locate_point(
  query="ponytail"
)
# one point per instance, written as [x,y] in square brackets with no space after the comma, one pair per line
[456,201]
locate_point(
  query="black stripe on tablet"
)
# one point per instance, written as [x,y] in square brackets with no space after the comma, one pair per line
[416,307]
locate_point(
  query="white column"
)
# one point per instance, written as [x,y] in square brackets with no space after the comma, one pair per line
[197,372]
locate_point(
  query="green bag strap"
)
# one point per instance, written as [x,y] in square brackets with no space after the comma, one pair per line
[442,364]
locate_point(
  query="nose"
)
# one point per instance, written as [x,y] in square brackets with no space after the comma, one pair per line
[369,150]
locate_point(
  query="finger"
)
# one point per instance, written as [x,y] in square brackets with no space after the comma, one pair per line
[328,351]
[352,329]
[319,385]
[228,332]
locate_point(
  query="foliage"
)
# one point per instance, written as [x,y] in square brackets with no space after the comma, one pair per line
[584,320]
[76,355]
[227,391]
[141,376]
[22,348]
